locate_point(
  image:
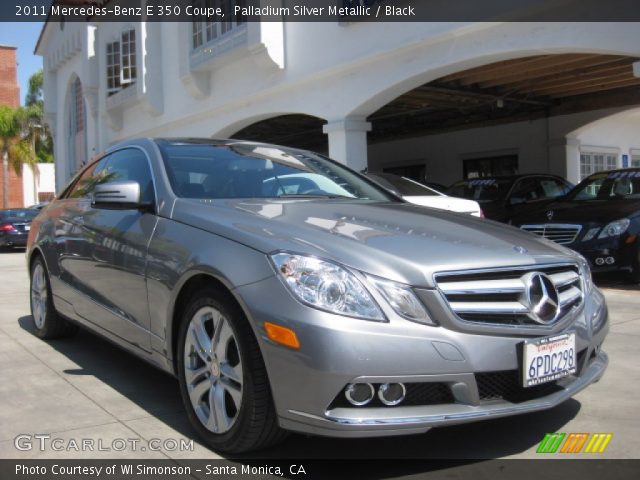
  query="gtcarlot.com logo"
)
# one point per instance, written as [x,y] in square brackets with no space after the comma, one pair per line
[574,443]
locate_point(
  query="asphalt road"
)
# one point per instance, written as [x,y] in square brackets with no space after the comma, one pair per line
[86,388]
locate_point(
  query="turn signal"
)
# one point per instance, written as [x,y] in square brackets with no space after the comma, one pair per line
[283,336]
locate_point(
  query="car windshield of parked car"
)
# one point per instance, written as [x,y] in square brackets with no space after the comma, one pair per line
[26,214]
[404,186]
[607,186]
[481,189]
[261,171]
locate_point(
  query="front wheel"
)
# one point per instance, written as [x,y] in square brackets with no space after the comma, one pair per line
[635,267]
[223,380]
[48,323]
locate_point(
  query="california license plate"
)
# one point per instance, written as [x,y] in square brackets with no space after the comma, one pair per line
[547,359]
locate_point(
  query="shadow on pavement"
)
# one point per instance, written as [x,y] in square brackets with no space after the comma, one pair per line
[157,393]
[616,281]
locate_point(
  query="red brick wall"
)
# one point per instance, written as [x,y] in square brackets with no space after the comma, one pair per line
[16,195]
[9,89]
[10,96]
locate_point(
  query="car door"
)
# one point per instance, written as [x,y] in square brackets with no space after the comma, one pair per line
[116,241]
[69,245]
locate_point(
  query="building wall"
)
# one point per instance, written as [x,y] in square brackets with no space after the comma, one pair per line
[10,96]
[16,192]
[335,71]
[534,142]
[39,187]
[620,133]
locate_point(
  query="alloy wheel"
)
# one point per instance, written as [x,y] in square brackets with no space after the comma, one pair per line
[39,296]
[213,370]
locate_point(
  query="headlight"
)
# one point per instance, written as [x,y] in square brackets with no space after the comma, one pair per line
[585,273]
[590,234]
[403,301]
[615,228]
[326,286]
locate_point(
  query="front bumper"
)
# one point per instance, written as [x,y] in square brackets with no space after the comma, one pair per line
[10,239]
[412,420]
[336,351]
[609,254]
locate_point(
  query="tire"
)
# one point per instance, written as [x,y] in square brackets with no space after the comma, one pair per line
[222,376]
[634,276]
[48,323]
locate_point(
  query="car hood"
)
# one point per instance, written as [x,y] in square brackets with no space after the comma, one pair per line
[398,241]
[580,212]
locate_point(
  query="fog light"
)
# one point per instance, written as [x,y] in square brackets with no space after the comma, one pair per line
[610,260]
[359,394]
[599,261]
[391,393]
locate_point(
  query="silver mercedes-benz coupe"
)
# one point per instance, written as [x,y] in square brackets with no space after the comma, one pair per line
[290,293]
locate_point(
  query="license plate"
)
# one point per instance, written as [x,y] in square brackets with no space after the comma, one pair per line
[27,228]
[547,359]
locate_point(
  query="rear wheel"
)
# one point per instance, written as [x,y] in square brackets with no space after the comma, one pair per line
[223,380]
[635,267]
[48,323]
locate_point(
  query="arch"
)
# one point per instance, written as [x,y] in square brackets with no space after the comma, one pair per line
[298,130]
[603,117]
[75,127]
[478,45]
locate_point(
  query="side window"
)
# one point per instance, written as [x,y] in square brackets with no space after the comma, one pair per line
[552,188]
[93,175]
[132,164]
[524,191]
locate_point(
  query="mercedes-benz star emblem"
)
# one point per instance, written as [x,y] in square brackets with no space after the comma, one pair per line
[550,214]
[541,297]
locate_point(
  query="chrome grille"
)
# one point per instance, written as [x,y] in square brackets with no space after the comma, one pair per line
[499,297]
[559,233]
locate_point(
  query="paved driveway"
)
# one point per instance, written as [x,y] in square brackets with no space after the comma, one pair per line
[86,389]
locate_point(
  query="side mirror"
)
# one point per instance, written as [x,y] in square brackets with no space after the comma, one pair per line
[117,195]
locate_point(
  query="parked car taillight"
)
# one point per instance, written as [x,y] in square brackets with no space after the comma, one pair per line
[7,227]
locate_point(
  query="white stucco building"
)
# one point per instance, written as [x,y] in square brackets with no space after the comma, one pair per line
[428,99]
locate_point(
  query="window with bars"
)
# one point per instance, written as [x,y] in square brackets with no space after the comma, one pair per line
[206,30]
[78,120]
[121,62]
[113,67]
[592,162]
[128,57]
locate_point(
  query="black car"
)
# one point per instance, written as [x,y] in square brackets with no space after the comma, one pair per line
[599,218]
[503,197]
[15,224]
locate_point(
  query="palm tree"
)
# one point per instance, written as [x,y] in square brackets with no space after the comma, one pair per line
[16,144]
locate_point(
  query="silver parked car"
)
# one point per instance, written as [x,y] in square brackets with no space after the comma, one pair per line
[287,292]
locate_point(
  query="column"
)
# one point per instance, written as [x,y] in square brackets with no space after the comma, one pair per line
[348,141]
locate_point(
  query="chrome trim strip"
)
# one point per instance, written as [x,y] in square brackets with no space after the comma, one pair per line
[514,285]
[564,278]
[562,233]
[498,308]
[569,296]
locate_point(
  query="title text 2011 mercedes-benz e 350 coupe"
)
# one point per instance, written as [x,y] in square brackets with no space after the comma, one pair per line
[287,292]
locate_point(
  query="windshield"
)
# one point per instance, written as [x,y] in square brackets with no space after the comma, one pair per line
[608,185]
[405,186]
[481,189]
[19,213]
[260,171]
